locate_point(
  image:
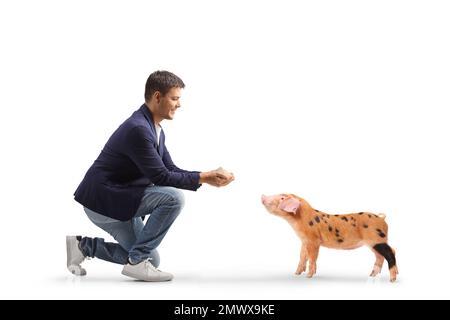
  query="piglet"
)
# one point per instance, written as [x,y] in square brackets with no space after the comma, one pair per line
[347,231]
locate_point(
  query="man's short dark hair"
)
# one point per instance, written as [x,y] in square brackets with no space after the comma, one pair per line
[161,81]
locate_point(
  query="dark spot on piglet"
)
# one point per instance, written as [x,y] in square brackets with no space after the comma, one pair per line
[365,226]
[386,252]
[340,240]
[330,229]
[381,233]
[344,218]
[311,223]
[317,219]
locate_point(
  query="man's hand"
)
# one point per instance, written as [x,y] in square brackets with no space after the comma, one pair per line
[217,178]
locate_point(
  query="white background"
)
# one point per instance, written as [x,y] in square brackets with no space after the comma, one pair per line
[344,103]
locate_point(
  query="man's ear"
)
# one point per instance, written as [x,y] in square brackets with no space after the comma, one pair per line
[289,205]
[157,95]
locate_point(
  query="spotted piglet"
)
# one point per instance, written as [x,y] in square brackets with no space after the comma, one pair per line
[347,231]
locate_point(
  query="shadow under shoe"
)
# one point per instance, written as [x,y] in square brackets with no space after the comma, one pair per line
[74,256]
[145,271]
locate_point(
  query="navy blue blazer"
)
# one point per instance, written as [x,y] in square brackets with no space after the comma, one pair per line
[130,161]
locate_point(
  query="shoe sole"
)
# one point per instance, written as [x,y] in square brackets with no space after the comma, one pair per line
[132,275]
[77,270]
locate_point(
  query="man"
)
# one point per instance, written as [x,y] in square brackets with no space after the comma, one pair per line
[133,177]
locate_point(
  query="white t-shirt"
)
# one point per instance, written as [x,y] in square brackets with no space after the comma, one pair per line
[158,133]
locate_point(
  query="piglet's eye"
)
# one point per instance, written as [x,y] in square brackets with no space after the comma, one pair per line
[282,198]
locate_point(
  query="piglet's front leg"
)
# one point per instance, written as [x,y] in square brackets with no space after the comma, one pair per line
[313,253]
[303,260]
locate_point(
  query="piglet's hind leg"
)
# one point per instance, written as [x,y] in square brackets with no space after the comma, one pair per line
[378,264]
[386,251]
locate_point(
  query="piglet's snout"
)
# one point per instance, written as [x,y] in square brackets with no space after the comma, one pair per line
[264,199]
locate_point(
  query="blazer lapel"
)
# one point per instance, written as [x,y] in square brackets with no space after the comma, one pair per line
[149,116]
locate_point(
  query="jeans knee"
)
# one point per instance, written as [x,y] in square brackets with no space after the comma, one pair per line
[177,198]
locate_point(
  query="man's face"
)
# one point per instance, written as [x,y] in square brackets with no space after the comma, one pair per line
[169,103]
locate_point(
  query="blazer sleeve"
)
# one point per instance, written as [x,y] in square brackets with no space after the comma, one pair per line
[142,151]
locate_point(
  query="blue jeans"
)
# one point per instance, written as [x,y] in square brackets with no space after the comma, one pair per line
[136,241]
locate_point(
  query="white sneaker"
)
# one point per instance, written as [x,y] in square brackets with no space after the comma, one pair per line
[74,256]
[145,271]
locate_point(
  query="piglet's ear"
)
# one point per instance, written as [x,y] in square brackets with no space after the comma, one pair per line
[289,205]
